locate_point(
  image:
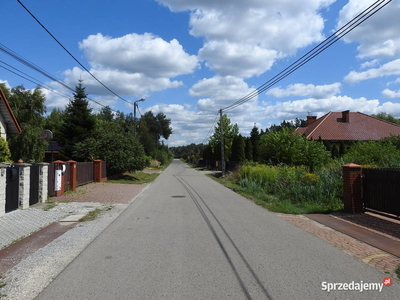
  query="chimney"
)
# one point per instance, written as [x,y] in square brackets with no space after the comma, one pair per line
[346,116]
[311,119]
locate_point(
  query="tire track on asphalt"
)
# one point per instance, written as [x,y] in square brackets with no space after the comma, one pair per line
[197,199]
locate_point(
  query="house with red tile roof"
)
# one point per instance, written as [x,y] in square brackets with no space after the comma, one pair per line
[8,122]
[347,126]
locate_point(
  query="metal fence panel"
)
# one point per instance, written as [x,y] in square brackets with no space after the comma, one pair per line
[84,173]
[103,169]
[34,184]
[51,180]
[12,188]
[381,190]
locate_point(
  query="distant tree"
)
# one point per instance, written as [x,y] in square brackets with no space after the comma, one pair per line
[28,107]
[249,149]
[54,121]
[79,122]
[238,149]
[230,131]
[208,153]
[151,129]
[255,142]
[106,114]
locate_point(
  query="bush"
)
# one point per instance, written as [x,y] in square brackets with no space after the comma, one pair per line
[286,147]
[380,154]
[5,154]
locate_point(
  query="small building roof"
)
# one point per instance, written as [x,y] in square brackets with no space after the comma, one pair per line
[348,126]
[8,115]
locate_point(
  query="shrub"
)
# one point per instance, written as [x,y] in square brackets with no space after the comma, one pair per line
[373,153]
[5,154]
[286,147]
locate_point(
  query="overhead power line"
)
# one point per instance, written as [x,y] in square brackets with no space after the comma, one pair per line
[31,65]
[333,38]
[70,54]
[40,70]
[210,130]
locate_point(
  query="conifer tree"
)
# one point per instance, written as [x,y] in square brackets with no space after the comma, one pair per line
[79,122]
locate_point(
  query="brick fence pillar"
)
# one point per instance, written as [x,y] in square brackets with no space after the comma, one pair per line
[24,184]
[3,181]
[352,190]
[97,170]
[72,174]
[59,176]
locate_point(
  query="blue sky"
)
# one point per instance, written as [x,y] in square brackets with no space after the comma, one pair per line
[190,58]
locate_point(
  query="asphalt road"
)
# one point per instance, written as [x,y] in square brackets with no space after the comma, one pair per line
[187,237]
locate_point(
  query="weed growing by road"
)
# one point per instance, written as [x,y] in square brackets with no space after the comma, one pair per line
[2,284]
[92,215]
[398,272]
[50,205]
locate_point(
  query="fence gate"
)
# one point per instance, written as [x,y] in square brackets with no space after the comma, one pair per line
[34,184]
[51,180]
[12,188]
[381,190]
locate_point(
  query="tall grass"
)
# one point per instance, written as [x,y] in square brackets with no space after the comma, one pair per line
[294,189]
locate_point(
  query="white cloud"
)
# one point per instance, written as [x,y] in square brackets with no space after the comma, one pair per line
[397,81]
[139,54]
[219,92]
[391,94]
[120,82]
[313,91]
[6,83]
[299,108]
[245,38]
[226,58]
[134,65]
[390,68]
[369,64]
[378,37]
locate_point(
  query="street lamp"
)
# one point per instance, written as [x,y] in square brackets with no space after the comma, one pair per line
[135,105]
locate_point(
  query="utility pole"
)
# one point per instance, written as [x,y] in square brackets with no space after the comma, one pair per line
[222,144]
[135,105]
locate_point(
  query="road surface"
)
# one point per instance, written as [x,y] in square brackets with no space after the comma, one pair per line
[187,237]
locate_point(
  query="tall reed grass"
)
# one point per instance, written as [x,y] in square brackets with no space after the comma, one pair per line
[320,191]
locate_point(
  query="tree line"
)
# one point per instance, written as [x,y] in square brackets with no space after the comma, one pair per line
[277,145]
[124,142]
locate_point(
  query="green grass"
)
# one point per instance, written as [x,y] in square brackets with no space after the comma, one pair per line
[256,193]
[398,272]
[134,178]
[92,215]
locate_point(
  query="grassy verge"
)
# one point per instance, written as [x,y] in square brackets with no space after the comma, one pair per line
[259,196]
[134,178]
